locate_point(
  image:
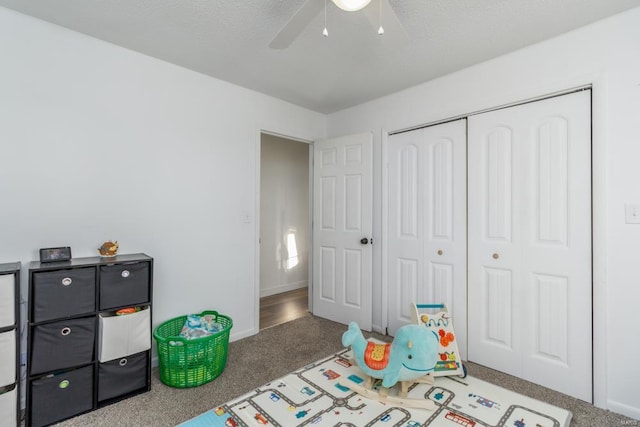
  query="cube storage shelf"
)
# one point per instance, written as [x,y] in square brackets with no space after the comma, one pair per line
[10,343]
[81,355]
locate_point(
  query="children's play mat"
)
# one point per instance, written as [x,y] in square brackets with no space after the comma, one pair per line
[314,396]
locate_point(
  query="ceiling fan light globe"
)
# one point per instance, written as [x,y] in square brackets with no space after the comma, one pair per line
[351,5]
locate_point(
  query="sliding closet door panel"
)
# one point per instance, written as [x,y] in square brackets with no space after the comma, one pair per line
[494,258]
[445,222]
[543,239]
[557,246]
[427,223]
[406,232]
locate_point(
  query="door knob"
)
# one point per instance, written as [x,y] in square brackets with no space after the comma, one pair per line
[364,241]
[496,256]
[440,251]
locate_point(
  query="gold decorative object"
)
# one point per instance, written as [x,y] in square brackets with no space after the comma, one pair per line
[109,248]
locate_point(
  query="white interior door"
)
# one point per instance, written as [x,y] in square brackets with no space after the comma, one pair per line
[426,242]
[342,218]
[530,242]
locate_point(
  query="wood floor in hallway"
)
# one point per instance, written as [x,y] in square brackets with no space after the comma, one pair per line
[280,308]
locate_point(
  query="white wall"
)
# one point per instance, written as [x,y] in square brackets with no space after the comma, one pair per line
[98,142]
[607,55]
[284,214]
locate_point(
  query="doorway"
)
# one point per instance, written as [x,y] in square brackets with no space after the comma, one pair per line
[285,229]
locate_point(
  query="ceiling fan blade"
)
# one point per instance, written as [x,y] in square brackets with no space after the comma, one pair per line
[393,28]
[296,24]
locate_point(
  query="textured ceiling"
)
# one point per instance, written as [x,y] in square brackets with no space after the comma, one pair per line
[229,39]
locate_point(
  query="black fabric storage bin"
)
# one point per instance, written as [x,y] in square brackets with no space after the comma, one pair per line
[124,284]
[62,344]
[121,376]
[63,293]
[61,396]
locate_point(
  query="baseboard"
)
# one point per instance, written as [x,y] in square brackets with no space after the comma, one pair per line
[283,288]
[242,334]
[379,329]
[626,410]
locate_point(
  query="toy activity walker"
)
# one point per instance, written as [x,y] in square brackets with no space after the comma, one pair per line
[436,318]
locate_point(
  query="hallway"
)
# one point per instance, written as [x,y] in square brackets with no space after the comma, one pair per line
[284,307]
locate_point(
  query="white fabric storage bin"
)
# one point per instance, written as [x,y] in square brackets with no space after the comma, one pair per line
[7,300]
[7,358]
[9,407]
[124,335]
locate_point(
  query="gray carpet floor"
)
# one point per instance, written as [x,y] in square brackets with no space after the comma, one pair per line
[275,352]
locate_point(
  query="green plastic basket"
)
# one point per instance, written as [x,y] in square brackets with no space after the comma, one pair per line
[191,362]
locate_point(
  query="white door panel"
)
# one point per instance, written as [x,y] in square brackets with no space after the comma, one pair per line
[530,242]
[342,217]
[557,254]
[494,230]
[427,223]
[406,226]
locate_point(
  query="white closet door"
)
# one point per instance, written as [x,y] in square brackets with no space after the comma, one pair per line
[530,242]
[427,223]
[342,217]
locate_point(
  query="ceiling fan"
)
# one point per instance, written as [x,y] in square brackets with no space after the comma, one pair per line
[311,8]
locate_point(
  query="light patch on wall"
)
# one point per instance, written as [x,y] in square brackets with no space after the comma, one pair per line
[292,250]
